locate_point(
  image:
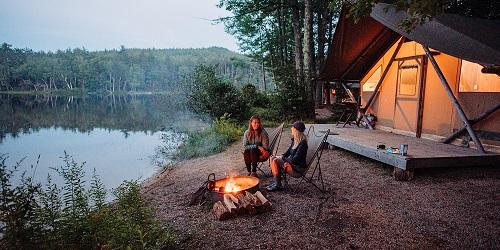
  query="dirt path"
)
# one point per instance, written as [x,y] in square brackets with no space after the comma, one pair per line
[365,208]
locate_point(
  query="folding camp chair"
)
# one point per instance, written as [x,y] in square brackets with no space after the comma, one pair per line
[315,145]
[274,141]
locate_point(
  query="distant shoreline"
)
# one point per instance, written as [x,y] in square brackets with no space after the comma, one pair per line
[82,93]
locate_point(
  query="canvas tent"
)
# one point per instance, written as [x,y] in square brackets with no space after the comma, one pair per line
[433,94]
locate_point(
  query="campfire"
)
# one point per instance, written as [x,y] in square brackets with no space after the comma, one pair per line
[237,195]
[236,184]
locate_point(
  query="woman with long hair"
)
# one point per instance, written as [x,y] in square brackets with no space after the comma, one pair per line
[293,161]
[256,143]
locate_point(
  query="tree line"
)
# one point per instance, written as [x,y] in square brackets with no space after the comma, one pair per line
[119,70]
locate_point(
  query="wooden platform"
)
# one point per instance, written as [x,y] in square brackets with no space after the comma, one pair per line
[422,153]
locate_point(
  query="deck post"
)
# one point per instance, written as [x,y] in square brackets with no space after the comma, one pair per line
[454,100]
[472,122]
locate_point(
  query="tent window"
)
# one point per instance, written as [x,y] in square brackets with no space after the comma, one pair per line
[372,81]
[408,76]
[472,80]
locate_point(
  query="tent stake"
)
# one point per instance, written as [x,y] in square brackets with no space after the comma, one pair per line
[454,100]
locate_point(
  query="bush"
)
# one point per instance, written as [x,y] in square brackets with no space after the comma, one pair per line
[36,218]
[211,140]
[254,98]
[207,93]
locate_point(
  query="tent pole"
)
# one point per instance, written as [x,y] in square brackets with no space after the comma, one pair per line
[382,77]
[454,100]
[363,111]
[472,122]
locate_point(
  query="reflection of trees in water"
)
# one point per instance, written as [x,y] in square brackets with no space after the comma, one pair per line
[147,113]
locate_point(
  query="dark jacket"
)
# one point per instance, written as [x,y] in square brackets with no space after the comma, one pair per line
[297,156]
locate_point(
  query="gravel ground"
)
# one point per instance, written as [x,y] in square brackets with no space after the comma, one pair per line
[364,208]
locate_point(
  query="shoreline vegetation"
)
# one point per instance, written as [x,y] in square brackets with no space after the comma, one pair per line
[75,215]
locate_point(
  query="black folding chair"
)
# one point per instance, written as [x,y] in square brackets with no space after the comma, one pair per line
[274,141]
[315,144]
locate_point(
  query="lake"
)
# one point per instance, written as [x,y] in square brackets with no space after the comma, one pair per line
[118,136]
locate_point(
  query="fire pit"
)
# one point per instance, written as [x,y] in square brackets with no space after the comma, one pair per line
[232,185]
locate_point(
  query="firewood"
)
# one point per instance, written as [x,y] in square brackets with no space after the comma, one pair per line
[266,205]
[262,199]
[253,199]
[230,205]
[233,198]
[246,204]
[220,211]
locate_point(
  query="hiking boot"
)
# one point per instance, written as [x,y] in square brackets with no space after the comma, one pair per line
[254,174]
[274,187]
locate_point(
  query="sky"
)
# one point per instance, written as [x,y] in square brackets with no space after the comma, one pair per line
[108,24]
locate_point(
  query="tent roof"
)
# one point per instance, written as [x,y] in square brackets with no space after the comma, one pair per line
[356,47]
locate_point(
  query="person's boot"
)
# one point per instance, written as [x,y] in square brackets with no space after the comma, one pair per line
[275,187]
[254,174]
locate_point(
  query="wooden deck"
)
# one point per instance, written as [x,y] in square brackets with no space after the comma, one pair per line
[422,153]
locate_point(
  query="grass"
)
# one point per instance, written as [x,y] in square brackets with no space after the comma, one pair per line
[214,139]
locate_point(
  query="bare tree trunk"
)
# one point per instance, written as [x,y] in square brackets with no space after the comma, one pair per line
[308,56]
[324,19]
[299,69]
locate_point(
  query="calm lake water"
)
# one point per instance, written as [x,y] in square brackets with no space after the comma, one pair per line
[118,136]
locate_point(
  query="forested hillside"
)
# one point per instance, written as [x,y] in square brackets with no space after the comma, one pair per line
[118,70]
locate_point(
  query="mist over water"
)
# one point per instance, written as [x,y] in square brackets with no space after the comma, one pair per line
[119,136]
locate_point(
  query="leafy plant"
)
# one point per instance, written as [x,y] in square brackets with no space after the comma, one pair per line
[209,94]
[211,140]
[74,217]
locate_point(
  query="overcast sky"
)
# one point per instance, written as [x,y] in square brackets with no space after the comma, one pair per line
[107,24]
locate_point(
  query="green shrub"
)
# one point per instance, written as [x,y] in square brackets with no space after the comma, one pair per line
[253,98]
[74,217]
[207,93]
[211,140]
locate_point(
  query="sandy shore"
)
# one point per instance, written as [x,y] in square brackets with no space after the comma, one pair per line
[364,208]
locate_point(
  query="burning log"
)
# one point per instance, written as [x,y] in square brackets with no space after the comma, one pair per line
[221,212]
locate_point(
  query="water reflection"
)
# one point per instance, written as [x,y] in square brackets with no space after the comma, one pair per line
[116,135]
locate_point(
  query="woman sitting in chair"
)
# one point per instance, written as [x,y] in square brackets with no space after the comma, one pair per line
[256,142]
[293,161]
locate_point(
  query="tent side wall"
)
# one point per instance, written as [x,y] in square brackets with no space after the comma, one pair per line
[439,117]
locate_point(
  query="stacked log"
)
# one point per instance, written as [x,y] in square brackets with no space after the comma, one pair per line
[242,203]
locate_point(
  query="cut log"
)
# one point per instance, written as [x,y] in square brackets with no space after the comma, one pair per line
[230,204]
[265,204]
[220,211]
[246,204]
[233,198]
[253,199]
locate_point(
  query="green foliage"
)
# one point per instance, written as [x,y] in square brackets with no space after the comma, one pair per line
[209,94]
[421,11]
[79,70]
[254,98]
[265,31]
[211,140]
[73,217]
